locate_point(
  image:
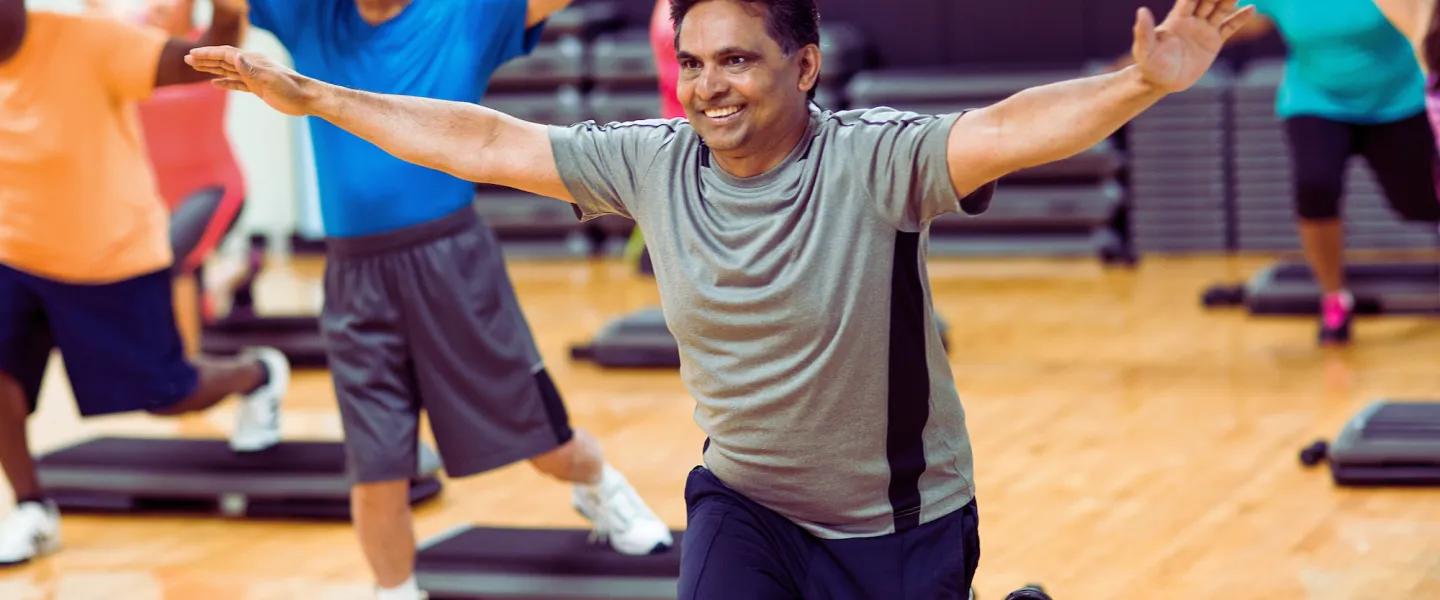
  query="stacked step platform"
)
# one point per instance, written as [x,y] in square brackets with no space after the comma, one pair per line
[1179,186]
[1063,208]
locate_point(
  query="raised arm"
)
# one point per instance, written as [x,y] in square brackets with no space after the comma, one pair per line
[1048,123]
[468,141]
[226,25]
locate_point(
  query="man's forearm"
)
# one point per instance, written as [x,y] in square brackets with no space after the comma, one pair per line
[1052,122]
[438,134]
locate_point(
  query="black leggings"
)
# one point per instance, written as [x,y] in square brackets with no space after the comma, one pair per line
[1402,155]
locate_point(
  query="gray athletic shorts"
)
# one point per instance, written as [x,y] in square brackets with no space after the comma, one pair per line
[425,317]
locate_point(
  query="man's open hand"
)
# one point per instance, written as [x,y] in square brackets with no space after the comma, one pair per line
[1174,55]
[283,89]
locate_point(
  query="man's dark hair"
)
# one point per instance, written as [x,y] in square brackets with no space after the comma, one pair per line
[793,24]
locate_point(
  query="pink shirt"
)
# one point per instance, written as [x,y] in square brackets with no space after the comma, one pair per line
[662,40]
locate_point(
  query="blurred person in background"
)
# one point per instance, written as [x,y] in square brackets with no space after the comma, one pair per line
[85,251]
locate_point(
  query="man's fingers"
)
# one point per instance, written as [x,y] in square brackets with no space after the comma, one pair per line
[1144,34]
[214,67]
[1234,22]
[1182,8]
[1224,9]
[225,53]
[1205,9]
[234,85]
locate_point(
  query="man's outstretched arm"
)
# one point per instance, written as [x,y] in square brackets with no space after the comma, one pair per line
[468,141]
[1048,123]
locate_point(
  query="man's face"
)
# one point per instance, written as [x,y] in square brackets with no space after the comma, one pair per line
[734,83]
[12,27]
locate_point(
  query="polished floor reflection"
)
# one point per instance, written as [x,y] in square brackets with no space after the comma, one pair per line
[1129,443]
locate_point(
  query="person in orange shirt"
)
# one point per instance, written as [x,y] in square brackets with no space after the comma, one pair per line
[195,167]
[85,254]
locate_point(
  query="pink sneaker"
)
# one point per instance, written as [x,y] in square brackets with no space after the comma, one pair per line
[1336,312]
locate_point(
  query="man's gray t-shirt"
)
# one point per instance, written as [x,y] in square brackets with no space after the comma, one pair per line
[801,305]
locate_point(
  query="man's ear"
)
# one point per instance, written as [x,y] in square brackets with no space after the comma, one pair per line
[810,60]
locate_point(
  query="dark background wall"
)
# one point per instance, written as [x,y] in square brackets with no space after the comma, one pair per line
[973,33]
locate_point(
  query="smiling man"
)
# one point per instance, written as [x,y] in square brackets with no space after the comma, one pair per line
[789,247]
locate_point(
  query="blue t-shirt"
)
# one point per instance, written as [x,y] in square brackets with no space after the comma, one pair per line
[443,49]
[1346,62]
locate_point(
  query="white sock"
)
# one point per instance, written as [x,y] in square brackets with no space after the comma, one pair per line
[408,590]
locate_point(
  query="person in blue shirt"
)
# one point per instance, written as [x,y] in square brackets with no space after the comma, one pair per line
[1351,86]
[419,311]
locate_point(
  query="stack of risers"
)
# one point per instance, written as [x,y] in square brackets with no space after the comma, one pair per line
[550,86]
[1178,172]
[1264,188]
[1059,209]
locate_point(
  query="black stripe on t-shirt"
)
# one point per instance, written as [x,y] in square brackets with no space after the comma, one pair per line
[909,393]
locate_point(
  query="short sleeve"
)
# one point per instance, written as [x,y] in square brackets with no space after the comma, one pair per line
[604,166]
[126,55]
[284,19]
[501,27]
[903,161]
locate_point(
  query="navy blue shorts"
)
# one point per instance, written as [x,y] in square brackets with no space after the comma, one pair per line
[119,340]
[735,548]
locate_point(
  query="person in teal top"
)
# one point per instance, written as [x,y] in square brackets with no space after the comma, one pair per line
[1346,62]
[1352,86]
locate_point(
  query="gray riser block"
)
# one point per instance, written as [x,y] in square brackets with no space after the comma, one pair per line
[1166,157]
[564,108]
[1213,141]
[1159,125]
[1207,163]
[1151,176]
[1152,231]
[1200,186]
[1168,207]
[1179,246]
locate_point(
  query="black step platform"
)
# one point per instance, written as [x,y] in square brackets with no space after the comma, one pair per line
[1388,443]
[471,562]
[302,479]
[1289,288]
[297,336]
[642,340]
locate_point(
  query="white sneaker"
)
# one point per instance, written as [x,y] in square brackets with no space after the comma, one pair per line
[257,422]
[31,531]
[620,515]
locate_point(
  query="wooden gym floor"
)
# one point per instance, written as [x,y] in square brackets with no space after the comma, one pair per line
[1129,445]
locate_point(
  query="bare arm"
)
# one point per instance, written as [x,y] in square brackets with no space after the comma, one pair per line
[226,27]
[1412,18]
[462,139]
[1044,124]
[539,10]
[1051,122]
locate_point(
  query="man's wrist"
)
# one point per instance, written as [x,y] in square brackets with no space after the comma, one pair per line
[317,98]
[1143,88]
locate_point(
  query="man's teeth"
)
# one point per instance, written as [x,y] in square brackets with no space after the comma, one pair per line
[716,113]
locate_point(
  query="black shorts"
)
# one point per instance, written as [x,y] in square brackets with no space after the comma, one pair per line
[119,341]
[735,548]
[425,318]
[1402,154]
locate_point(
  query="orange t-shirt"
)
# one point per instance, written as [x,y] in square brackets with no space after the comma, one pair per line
[79,202]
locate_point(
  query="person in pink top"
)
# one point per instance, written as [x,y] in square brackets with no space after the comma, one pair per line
[662,43]
[194,164]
